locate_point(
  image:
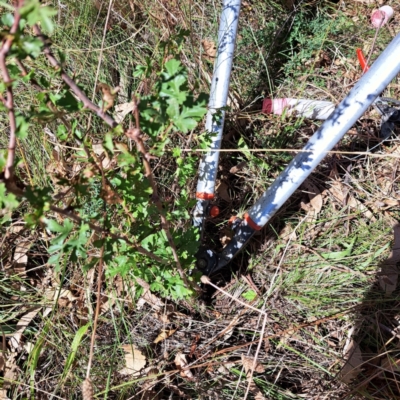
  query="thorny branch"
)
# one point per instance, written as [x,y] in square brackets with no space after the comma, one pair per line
[9,101]
[71,83]
[136,136]
[131,133]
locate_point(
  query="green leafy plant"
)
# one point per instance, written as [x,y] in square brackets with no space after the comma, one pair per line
[117,209]
[309,35]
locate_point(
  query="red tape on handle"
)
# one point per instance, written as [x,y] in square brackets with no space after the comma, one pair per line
[362,60]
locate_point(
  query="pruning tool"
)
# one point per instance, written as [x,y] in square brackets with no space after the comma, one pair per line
[389,115]
[363,94]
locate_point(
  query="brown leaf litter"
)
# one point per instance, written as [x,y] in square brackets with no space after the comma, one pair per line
[135,360]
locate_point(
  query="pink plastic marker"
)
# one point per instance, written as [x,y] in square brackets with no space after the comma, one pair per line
[313,109]
[381,17]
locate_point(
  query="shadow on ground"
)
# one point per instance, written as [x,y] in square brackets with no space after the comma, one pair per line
[372,369]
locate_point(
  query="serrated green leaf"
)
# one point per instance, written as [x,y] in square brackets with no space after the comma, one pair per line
[32,46]
[34,12]
[7,19]
[108,142]
[8,201]
[62,132]
[54,226]
[22,127]
[173,89]
[172,67]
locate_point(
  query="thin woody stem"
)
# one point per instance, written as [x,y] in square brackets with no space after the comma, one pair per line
[9,101]
[206,280]
[135,134]
[71,83]
[97,312]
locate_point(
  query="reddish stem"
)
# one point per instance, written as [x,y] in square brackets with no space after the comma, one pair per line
[9,101]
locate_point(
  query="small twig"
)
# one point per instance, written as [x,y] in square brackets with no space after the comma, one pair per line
[9,103]
[97,312]
[206,280]
[374,40]
[71,83]
[250,377]
[135,134]
[290,331]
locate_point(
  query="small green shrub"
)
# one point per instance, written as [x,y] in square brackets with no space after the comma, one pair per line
[113,213]
[309,35]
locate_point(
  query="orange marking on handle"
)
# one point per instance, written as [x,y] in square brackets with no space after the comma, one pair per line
[251,223]
[204,196]
[362,60]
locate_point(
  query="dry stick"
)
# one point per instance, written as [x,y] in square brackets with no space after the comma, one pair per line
[5,48]
[273,336]
[374,40]
[102,48]
[291,330]
[134,133]
[250,378]
[97,312]
[206,280]
[96,162]
[71,83]
[88,104]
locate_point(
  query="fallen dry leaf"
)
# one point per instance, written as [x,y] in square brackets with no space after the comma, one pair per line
[151,299]
[10,375]
[390,364]
[259,396]
[288,233]
[181,363]
[314,195]
[87,389]
[21,326]
[352,367]
[222,190]
[227,332]
[210,49]
[102,154]
[341,194]
[165,333]
[238,167]
[21,257]
[135,360]
[108,95]
[2,362]
[248,365]
[225,236]
[122,110]
[388,278]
